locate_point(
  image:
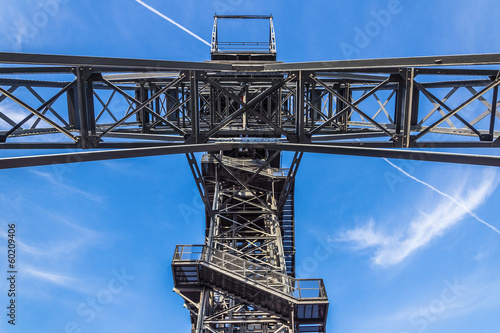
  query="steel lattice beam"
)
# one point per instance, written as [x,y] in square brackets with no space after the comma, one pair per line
[324,105]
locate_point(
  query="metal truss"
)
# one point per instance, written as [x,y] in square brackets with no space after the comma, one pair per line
[243,278]
[115,108]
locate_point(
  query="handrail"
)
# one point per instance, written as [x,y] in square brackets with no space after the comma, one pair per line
[300,289]
[251,166]
[243,43]
[257,47]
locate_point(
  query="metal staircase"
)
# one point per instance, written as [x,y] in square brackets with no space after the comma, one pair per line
[300,301]
[288,229]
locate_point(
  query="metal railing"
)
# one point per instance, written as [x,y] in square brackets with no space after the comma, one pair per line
[237,46]
[248,165]
[264,47]
[300,289]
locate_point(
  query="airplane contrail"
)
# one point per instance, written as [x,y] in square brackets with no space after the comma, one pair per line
[173,22]
[445,195]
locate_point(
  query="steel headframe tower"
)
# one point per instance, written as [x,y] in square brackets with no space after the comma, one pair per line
[244,108]
[243,278]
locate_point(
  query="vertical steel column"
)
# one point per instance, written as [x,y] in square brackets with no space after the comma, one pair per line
[143,96]
[244,100]
[201,313]
[330,105]
[82,108]
[195,115]
[493,113]
[279,106]
[90,109]
[270,105]
[399,106]
[219,108]
[299,107]
[212,107]
[156,103]
[408,77]
[72,102]
[184,107]
[307,108]
[344,91]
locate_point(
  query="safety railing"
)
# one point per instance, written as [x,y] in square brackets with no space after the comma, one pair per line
[301,289]
[185,253]
[247,46]
[248,165]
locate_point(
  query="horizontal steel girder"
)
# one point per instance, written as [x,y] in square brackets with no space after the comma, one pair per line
[86,156]
[155,107]
[453,60]
[64,60]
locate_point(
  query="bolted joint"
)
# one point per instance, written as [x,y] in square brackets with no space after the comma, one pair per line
[293,138]
[94,76]
[411,142]
[94,141]
[404,141]
[86,73]
[486,137]
[90,142]
[192,139]
[398,140]
[306,138]
[395,78]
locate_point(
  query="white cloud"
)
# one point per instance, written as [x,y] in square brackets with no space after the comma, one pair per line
[22,22]
[13,113]
[46,277]
[13,20]
[57,279]
[391,249]
[62,187]
[77,241]
[476,293]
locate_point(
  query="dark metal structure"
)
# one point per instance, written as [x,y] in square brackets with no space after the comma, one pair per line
[243,50]
[243,278]
[122,108]
[243,108]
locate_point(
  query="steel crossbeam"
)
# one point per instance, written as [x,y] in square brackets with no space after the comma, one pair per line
[397,103]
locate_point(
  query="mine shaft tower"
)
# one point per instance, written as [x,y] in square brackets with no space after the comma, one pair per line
[243,109]
[243,278]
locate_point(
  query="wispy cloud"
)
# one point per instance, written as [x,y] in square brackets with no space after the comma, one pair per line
[46,277]
[61,186]
[19,37]
[25,248]
[11,112]
[57,279]
[16,20]
[391,249]
[76,241]
[476,293]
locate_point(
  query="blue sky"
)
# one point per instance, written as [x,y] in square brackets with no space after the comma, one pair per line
[396,255]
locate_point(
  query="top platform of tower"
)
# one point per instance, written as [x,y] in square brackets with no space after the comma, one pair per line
[247,50]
